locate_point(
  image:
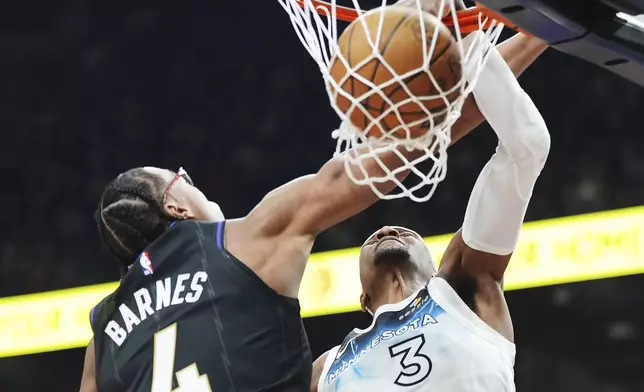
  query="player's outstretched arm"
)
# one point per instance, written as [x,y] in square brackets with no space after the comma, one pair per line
[519,52]
[88,380]
[479,254]
[297,211]
[276,237]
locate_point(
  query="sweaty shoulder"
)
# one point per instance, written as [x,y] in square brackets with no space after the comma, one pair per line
[278,260]
[468,272]
[447,298]
[318,368]
[321,368]
[227,246]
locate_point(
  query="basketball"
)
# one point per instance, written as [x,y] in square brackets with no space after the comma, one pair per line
[401,48]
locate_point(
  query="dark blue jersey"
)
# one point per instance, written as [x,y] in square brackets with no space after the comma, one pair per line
[190,317]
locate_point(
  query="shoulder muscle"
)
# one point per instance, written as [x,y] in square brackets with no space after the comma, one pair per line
[318,369]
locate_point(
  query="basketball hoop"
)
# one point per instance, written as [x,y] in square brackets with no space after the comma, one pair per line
[316,25]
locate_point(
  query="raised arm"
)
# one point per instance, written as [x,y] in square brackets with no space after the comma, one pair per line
[478,255]
[519,52]
[330,197]
[296,212]
[276,237]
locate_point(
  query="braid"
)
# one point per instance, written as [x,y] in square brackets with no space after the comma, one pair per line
[130,215]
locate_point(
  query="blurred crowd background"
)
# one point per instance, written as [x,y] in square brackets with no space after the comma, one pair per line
[224,89]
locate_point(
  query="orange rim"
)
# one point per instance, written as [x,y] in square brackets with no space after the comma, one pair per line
[468,20]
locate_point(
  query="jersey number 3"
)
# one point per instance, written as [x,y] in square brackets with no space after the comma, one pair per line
[416,365]
[188,378]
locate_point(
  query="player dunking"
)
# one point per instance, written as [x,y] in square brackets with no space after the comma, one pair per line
[206,304]
[448,330]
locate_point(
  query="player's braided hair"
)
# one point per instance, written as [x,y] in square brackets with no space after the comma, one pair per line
[130,214]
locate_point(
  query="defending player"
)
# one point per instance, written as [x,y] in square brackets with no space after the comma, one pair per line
[210,305]
[450,330]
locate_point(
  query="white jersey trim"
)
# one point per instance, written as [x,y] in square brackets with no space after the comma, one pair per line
[327,366]
[445,296]
[389,308]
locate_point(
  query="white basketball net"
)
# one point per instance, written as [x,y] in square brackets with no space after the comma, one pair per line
[317,28]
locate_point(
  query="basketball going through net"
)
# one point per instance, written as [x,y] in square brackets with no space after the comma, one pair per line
[397,77]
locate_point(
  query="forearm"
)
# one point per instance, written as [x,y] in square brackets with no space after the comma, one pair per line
[519,52]
[502,192]
[510,111]
[330,196]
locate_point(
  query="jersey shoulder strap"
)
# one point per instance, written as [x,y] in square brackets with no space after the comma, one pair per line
[100,314]
[330,358]
[448,299]
[182,234]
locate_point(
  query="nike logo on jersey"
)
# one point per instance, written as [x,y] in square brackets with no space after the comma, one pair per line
[167,293]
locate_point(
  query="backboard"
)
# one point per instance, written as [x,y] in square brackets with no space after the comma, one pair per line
[608,33]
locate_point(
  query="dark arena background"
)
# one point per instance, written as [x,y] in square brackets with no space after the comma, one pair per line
[224,89]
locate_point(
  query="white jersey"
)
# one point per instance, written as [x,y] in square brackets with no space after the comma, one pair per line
[430,342]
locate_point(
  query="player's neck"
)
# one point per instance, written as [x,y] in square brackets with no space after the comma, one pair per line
[394,291]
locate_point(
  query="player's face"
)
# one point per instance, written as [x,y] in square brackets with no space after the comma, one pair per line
[393,247]
[183,200]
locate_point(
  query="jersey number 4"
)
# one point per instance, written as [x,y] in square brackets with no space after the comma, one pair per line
[416,365]
[188,378]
